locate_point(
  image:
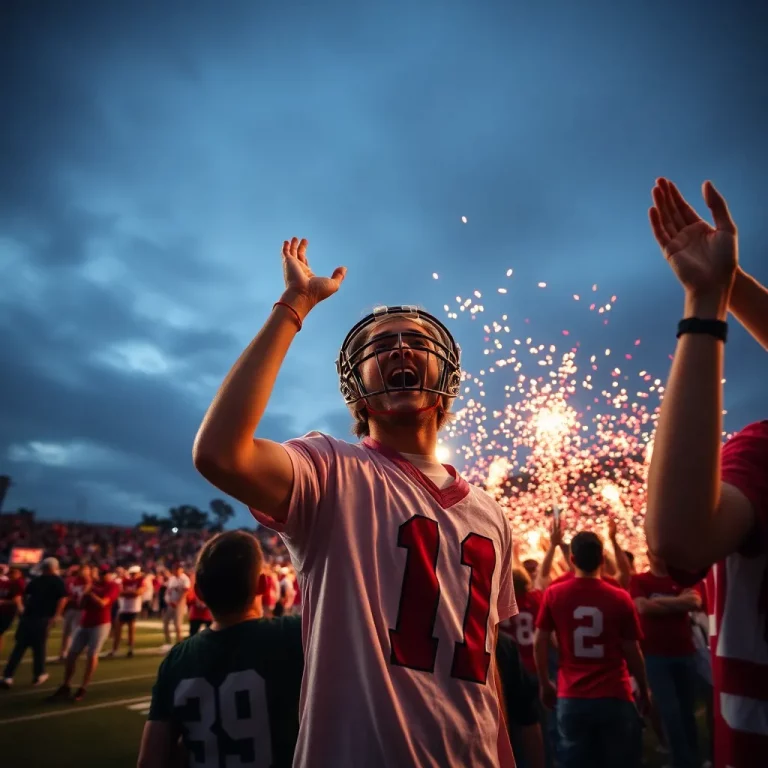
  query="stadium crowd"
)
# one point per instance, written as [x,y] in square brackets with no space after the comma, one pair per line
[138,573]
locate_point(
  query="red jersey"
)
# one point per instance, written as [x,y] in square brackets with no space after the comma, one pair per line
[75,586]
[520,628]
[737,589]
[571,575]
[591,620]
[10,589]
[198,610]
[95,615]
[666,634]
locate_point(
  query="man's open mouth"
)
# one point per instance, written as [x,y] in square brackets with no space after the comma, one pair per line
[403,378]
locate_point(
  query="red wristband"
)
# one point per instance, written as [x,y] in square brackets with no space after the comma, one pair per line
[288,306]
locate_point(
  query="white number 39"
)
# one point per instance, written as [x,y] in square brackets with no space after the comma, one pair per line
[253,726]
[592,630]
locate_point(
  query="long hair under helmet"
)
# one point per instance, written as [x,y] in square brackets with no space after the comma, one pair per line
[361,345]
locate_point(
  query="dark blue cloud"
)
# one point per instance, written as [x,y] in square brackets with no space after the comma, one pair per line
[154,155]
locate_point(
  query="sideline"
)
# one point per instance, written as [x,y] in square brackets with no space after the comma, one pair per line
[71,710]
[37,691]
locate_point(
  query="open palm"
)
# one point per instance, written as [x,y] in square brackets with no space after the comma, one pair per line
[703,257]
[300,278]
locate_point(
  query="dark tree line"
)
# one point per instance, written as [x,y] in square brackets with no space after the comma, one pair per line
[190,518]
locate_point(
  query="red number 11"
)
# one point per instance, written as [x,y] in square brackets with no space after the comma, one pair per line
[413,645]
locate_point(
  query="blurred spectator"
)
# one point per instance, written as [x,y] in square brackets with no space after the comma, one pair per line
[44,600]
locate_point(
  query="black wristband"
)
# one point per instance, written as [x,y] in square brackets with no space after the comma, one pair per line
[716,328]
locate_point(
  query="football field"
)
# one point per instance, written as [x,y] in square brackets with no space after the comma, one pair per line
[104,729]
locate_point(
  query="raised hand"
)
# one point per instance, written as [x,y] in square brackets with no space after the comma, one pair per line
[703,257]
[612,529]
[556,533]
[301,281]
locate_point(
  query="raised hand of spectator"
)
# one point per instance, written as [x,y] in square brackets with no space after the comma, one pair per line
[703,257]
[556,533]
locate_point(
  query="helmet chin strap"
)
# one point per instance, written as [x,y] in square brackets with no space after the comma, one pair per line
[394,412]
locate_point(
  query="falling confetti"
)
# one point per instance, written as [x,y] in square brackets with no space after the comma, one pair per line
[540,426]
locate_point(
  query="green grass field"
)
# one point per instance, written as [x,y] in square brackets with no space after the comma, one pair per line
[103,730]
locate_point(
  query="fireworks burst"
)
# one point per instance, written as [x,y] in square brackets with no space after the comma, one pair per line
[575,430]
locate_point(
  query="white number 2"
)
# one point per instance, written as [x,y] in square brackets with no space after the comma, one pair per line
[594,629]
[254,726]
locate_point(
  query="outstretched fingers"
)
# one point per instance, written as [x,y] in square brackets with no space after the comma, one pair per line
[716,203]
[675,214]
[295,249]
[301,250]
[687,213]
[663,206]
[662,236]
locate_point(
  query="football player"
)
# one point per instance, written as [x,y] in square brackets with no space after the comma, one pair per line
[232,693]
[670,657]
[176,590]
[96,601]
[521,627]
[597,630]
[77,577]
[391,547]
[707,503]
[129,606]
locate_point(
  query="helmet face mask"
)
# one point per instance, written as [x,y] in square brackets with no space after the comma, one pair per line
[436,358]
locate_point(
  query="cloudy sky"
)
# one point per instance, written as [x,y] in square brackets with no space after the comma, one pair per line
[153,156]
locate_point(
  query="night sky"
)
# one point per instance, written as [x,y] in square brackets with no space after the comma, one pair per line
[154,156]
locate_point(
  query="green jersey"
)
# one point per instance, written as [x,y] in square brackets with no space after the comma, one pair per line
[233,694]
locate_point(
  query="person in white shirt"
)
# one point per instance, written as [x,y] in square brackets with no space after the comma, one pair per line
[148,595]
[175,602]
[129,606]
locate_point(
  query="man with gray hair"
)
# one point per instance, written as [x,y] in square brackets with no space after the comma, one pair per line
[44,600]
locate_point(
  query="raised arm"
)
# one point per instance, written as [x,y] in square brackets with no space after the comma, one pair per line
[256,471]
[543,577]
[693,519]
[622,561]
[749,304]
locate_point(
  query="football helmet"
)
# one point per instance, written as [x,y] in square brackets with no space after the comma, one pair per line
[361,344]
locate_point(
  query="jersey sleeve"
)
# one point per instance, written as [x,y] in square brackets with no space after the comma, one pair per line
[744,465]
[507,604]
[313,458]
[544,620]
[161,707]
